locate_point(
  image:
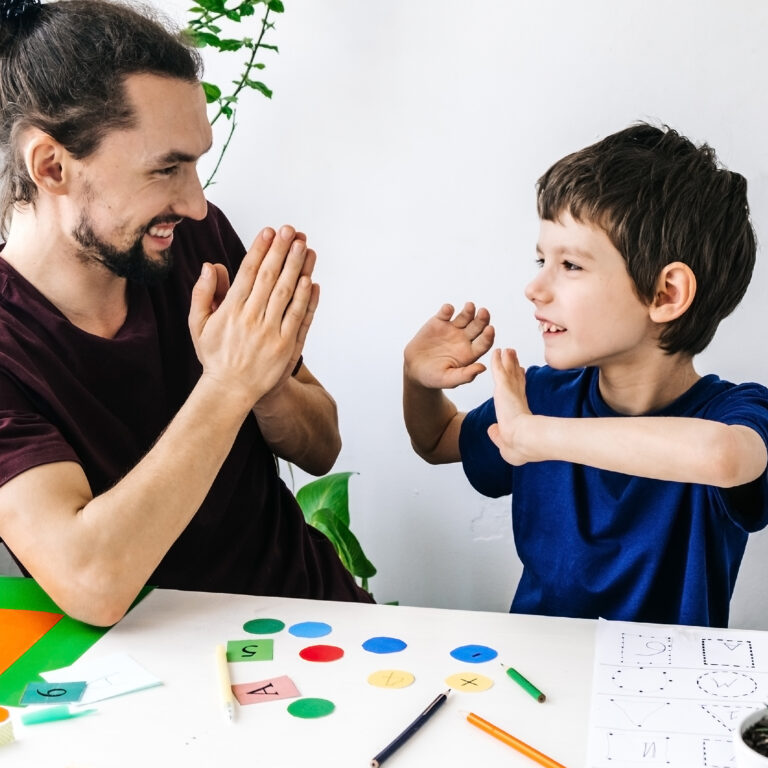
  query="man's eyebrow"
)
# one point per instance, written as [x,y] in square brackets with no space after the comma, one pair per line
[177,156]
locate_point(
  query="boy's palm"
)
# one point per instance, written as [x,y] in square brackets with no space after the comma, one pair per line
[444,353]
[511,406]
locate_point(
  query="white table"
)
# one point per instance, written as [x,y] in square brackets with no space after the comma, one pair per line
[174,634]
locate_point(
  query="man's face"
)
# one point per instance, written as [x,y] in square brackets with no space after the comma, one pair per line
[586,304]
[142,181]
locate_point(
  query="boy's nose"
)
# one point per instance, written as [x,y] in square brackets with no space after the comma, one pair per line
[537,289]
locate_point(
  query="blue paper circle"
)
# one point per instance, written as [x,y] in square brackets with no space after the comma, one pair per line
[474,654]
[310,629]
[384,645]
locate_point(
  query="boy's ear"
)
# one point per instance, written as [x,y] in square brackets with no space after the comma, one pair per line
[47,162]
[675,290]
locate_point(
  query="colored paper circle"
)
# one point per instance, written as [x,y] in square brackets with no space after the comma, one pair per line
[384,645]
[469,682]
[311,708]
[310,629]
[264,626]
[391,678]
[321,653]
[474,654]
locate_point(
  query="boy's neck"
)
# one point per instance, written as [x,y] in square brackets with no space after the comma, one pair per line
[636,391]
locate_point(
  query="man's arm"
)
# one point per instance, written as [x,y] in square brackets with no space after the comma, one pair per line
[443,354]
[678,449]
[93,554]
[299,422]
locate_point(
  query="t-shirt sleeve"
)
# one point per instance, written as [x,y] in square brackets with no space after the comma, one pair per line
[27,438]
[483,465]
[747,405]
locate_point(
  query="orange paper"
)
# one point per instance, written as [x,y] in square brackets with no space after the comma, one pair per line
[20,630]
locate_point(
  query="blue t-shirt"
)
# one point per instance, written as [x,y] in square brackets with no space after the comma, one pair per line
[595,543]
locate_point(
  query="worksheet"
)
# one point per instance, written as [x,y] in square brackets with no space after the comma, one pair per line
[671,696]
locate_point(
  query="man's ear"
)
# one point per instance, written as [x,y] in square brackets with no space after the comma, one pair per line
[47,162]
[675,290]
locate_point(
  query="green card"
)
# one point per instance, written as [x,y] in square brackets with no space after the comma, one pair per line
[250,650]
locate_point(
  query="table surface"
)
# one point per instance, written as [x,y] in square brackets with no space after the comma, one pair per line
[174,634]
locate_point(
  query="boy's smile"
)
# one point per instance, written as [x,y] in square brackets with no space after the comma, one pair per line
[588,310]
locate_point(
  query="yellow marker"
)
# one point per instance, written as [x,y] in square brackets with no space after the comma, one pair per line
[227,697]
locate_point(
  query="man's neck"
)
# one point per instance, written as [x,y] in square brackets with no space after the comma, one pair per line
[86,293]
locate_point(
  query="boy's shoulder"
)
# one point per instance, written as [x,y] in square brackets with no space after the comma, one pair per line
[576,392]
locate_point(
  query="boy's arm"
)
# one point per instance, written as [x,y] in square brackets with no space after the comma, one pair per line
[678,449]
[442,355]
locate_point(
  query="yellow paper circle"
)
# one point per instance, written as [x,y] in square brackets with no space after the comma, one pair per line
[391,678]
[469,682]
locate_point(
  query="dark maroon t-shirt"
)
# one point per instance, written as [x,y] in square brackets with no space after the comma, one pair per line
[66,395]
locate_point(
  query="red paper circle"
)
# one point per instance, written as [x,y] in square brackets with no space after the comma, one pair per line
[321,653]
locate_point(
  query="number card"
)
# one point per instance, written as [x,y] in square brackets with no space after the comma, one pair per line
[250,650]
[53,693]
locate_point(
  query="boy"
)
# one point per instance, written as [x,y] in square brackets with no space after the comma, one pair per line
[634,481]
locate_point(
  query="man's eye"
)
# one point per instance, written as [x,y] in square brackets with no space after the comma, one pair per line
[170,170]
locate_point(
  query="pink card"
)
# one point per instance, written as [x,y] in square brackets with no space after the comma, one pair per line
[266,690]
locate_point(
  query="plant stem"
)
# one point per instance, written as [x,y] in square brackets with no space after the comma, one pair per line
[249,65]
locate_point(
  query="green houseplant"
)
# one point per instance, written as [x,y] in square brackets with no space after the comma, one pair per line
[325,504]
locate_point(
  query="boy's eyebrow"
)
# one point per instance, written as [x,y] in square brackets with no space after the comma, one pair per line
[564,250]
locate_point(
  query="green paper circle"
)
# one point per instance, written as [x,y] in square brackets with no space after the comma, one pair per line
[311,708]
[263,626]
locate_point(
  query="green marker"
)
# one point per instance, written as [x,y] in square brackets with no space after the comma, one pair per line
[49,714]
[526,685]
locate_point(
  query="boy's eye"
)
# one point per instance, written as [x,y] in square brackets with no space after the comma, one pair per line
[571,267]
[539,263]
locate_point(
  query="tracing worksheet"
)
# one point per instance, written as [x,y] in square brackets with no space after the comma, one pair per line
[670,696]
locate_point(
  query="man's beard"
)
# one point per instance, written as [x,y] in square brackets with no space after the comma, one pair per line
[132,263]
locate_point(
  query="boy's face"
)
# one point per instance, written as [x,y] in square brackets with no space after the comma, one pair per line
[586,304]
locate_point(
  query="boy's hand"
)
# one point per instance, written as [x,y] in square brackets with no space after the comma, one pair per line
[444,353]
[512,412]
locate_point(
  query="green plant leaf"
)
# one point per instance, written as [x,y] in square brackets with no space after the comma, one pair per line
[211,5]
[258,86]
[201,39]
[212,92]
[246,9]
[229,44]
[344,542]
[276,6]
[329,492]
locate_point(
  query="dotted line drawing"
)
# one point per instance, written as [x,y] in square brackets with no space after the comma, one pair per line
[727,652]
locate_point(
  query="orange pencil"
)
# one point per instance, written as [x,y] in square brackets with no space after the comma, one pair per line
[513,742]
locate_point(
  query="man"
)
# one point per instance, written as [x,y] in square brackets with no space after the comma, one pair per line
[136,443]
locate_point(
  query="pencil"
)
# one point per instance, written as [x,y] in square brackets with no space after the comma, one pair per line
[513,742]
[225,684]
[526,685]
[432,707]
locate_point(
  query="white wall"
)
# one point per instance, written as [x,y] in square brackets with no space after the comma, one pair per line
[405,137]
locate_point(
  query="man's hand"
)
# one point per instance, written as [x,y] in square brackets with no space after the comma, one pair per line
[250,335]
[512,412]
[444,353]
